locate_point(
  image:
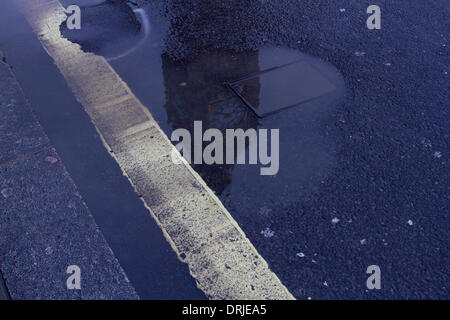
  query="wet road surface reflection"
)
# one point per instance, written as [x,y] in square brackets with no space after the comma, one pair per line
[181,91]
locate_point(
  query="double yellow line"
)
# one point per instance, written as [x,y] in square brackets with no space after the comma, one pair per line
[222,260]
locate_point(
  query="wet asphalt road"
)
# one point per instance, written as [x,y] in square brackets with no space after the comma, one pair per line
[387,184]
[383,198]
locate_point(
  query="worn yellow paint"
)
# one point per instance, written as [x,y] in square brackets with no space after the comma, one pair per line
[222,260]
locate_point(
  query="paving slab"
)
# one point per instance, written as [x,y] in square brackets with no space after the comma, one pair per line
[45,226]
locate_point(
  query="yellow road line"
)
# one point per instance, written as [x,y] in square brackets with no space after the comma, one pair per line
[222,260]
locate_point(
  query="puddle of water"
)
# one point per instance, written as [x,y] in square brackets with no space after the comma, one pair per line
[110,29]
[179,92]
[195,91]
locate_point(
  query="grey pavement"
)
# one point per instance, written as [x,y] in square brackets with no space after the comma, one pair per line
[45,226]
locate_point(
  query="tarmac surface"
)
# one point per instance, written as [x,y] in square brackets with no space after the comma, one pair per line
[381,197]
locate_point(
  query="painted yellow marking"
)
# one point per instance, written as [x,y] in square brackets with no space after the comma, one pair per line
[222,260]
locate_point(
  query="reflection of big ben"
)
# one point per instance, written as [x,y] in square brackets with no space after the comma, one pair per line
[196,91]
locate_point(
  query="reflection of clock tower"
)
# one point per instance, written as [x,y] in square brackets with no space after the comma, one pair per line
[195,91]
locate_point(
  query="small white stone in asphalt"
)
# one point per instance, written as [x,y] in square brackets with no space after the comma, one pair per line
[335,220]
[360,53]
[6,192]
[325,284]
[48,251]
[300,255]
[342,10]
[410,222]
[437,154]
[267,233]
[387,64]
[363,241]
[425,142]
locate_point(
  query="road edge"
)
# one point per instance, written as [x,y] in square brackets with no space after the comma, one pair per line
[201,231]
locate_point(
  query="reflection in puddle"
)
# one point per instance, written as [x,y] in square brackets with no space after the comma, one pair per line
[196,92]
[283,87]
[179,92]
